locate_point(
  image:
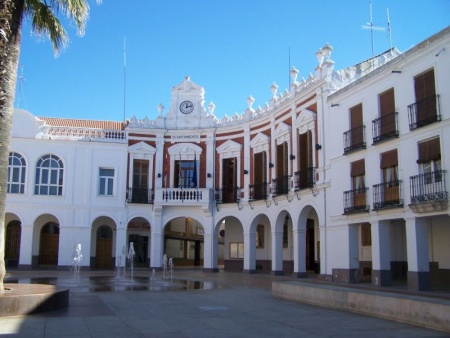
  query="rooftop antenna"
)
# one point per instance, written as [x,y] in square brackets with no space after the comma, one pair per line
[19,88]
[373,28]
[124,76]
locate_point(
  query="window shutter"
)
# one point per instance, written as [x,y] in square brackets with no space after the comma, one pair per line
[389,159]
[387,102]
[358,168]
[429,151]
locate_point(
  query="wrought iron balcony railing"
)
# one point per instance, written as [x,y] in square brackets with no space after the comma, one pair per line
[424,112]
[227,195]
[428,187]
[355,201]
[259,191]
[305,178]
[355,139]
[280,185]
[388,195]
[385,127]
[140,195]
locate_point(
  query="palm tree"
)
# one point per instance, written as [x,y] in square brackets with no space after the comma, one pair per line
[43,15]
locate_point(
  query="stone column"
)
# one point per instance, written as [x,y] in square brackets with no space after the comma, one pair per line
[300,253]
[210,248]
[121,241]
[247,164]
[250,252]
[277,253]
[417,250]
[157,244]
[381,253]
[26,245]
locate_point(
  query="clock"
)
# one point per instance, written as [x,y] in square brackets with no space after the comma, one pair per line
[186,107]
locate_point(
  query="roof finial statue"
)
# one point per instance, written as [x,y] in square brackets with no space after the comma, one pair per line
[187,83]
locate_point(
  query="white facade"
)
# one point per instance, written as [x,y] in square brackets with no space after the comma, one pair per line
[272,190]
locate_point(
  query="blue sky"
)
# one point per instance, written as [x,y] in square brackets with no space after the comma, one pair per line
[233,48]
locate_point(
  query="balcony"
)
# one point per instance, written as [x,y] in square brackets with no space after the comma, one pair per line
[259,191]
[305,178]
[280,185]
[429,192]
[355,201]
[387,195]
[355,139]
[424,112]
[385,127]
[140,195]
[227,195]
[86,134]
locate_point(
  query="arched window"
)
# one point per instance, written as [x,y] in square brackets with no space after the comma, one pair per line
[49,176]
[16,174]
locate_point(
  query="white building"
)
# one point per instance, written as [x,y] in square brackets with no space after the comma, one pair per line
[271,190]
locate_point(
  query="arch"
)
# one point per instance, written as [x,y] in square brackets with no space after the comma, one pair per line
[306,241]
[138,232]
[230,251]
[103,242]
[13,236]
[184,241]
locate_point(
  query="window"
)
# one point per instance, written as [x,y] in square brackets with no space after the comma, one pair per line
[387,113]
[186,174]
[424,89]
[430,160]
[356,126]
[366,235]
[237,250]
[358,173]
[389,167]
[106,182]
[306,170]
[260,236]
[16,174]
[49,176]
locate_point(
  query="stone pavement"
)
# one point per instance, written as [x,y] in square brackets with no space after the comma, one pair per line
[240,305]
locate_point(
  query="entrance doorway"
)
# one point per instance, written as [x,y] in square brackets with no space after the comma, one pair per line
[140,244]
[49,244]
[310,260]
[103,251]
[12,244]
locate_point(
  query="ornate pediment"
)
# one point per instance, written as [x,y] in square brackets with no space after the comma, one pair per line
[260,142]
[229,149]
[185,151]
[282,133]
[305,117]
[141,150]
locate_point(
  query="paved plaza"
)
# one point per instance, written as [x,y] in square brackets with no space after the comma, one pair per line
[232,305]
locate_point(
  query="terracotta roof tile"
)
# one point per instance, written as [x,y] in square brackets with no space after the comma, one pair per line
[74,123]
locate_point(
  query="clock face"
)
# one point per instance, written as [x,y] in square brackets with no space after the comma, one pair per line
[186,107]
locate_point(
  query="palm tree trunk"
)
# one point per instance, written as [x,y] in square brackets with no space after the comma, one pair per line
[11,13]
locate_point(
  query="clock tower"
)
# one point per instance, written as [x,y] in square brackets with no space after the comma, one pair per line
[187,107]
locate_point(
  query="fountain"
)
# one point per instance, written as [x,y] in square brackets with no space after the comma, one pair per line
[76,258]
[130,256]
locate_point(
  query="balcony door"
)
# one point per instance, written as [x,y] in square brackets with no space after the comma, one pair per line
[260,174]
[389,167]
[229,180]
[425,92]
[305,160]
[356,126]
[387,112]
[140,181]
